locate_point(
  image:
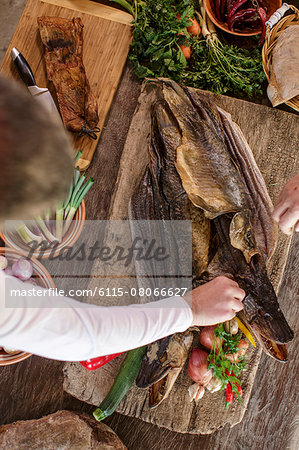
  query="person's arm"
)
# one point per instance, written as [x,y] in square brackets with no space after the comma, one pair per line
[71,331]
[286,211]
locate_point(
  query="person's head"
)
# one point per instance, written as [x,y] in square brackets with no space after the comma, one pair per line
[35,156]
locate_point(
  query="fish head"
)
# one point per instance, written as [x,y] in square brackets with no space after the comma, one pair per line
[162,365]
[262,313]
[272,348]
[267,322]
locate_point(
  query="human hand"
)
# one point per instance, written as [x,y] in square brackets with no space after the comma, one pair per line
[286,211]
[216,301]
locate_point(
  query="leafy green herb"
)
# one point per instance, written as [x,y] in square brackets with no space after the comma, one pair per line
[157,35]
[224,68]
[225,370]
[214,65]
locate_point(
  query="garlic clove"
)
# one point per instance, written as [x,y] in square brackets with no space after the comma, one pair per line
[214,385]
[192,390]
[231,326]
[200,393]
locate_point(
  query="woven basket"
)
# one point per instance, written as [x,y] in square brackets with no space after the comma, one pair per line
[275,26]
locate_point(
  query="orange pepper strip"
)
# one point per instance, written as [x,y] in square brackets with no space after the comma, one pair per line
[245,331]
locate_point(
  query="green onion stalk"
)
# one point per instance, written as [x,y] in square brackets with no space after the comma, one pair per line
[27,236]
[65,211]
[45,230]
[78,194]
[63,207]
[77,156]
[126,5]
[242,68]
[59,222]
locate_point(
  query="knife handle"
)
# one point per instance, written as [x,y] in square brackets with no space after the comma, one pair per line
[23,67]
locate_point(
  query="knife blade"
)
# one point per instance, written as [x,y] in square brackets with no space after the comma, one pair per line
[41,94]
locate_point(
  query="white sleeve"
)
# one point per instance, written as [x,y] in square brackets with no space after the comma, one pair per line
[71,331]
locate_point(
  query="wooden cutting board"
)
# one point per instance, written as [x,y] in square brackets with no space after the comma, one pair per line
[277,157]
[106,40]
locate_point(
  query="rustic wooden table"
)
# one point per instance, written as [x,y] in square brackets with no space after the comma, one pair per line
[33,387]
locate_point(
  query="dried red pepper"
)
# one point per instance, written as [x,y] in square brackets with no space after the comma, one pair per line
[218,9]
[237,5]
[230,4]
[263,4]
[223,9]
[241,16]
[263,16]
[96,363]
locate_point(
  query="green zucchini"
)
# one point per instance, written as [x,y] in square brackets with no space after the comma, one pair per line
[122,383]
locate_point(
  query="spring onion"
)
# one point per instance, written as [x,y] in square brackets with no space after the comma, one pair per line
[64,206]
[76,200]
[27,236]
[47,233]
[64,213]
[59,222]
[77,156]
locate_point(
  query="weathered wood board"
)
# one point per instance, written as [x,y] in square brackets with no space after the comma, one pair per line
[106,40]
[266,130]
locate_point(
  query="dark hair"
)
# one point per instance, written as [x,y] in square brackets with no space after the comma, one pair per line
[35,156]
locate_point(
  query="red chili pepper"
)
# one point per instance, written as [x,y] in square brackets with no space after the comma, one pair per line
[239,389]
[263,4]
[250,23]
[241,16]
[230,4]
[223,9]
[96,363]
[263,16]
[229,394]
[218,9]
[236,6]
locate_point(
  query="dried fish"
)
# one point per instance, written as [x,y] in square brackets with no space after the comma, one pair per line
[202,169]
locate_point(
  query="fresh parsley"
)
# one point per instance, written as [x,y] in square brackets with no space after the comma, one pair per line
[225,370]
[214,64]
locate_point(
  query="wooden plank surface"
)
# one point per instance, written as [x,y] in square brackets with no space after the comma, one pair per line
[265,130]
[96,9]
[106,39]
[271,418]
[34,387]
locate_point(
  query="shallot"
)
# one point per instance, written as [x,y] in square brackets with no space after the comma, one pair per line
[8,271]
[198,367]
[196,392]
[209,340]
[22,269]
[10,350]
